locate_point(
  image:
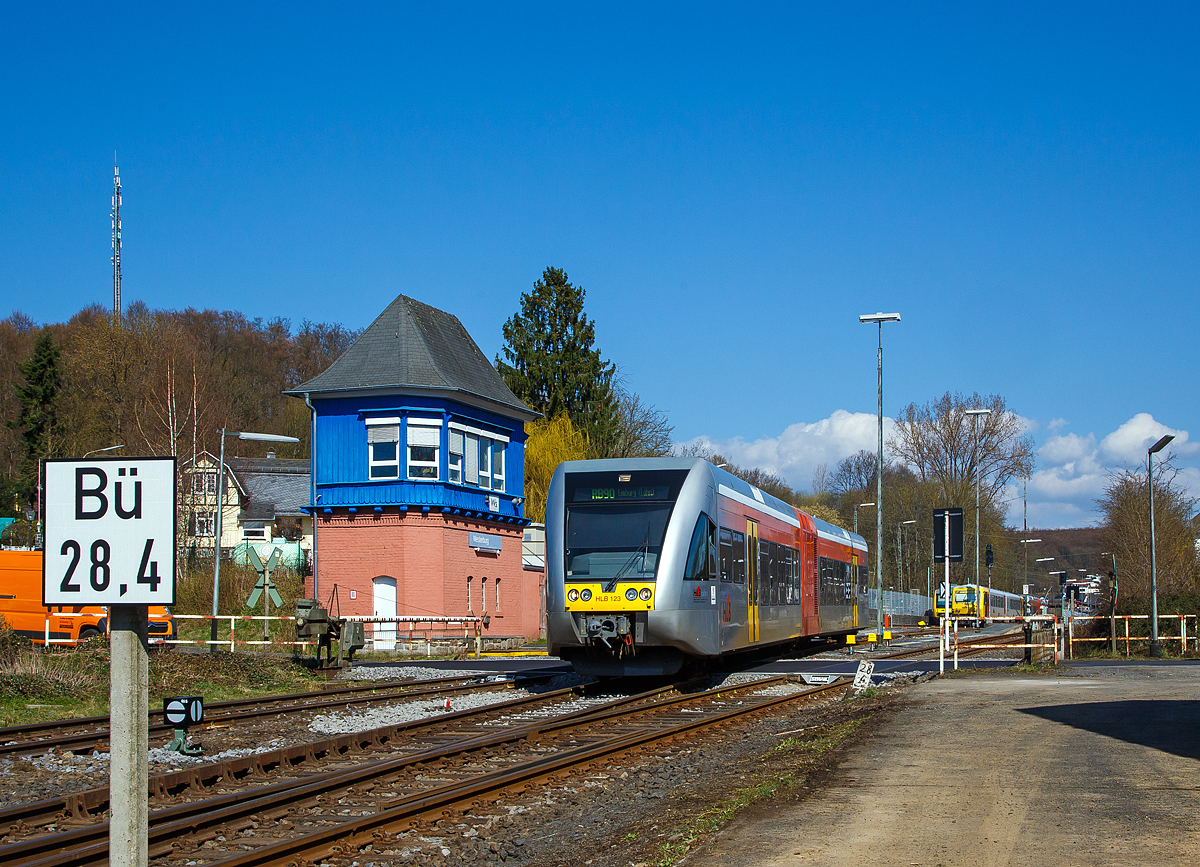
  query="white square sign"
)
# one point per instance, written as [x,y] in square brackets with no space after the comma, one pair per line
[110,532]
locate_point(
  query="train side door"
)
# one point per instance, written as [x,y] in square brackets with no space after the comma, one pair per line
[808,580]
[752,571]
[854,584]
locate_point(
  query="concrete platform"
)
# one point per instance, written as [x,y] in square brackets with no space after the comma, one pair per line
[1101,766]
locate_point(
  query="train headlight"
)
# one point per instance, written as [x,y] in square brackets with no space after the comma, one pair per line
[646,594]
[573,595]
[585,595]
[631,594]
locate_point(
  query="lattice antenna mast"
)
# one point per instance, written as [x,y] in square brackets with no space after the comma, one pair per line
[116,241]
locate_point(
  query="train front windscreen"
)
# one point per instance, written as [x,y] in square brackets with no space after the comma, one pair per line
[616,521]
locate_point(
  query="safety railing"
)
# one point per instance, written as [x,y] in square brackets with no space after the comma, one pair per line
[1036,623]
[232,642]
[67,640]
[1181,636]
[422,630]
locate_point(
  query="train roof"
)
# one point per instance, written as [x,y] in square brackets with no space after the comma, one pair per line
[725,479]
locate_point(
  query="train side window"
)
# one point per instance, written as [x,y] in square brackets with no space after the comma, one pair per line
[697,558]
[766,587]
[726,542]
[712,551]
[739,558]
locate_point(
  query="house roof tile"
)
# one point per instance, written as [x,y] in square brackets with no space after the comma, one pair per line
[413,346]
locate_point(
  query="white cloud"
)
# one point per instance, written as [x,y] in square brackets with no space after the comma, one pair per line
[1056,423]
[1128,443]
[801,448]
[1072,469]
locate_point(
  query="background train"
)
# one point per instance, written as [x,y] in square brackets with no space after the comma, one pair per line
[981,604]
[655,562]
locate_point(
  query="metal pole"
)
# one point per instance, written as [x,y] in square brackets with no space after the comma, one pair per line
[1155,649]
[978,475]
[947,608]
[1112,619]
[900,556]
[879,497]
[212,648]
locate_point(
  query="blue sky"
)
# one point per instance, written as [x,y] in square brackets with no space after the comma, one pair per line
[732,186]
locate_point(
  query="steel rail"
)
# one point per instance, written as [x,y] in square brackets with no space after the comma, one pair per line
[322,692]
[93,740]
[9,732]
[920,650]
[86,845]
[85,803]
[358,831]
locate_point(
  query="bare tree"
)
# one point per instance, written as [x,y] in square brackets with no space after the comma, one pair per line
[640,431]
[855,473]
[1126,507]
[945,446]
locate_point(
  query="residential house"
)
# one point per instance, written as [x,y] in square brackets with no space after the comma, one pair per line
[265,501]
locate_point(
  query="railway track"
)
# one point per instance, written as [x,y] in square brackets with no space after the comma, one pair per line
[397,782]
[966,647]
[82,735]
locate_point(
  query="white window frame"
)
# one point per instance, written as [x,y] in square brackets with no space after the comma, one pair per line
[204,482]
[206,524]
[389,469]
[454,460]
[489,477]
[428,432]
[499,447]
[485,463]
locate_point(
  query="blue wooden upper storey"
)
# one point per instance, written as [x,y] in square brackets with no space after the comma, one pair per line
[384,450]
[413,414]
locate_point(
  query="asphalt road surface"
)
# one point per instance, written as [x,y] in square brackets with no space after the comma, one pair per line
[1099,766]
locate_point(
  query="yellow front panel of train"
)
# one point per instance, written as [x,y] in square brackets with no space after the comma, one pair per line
[592,597]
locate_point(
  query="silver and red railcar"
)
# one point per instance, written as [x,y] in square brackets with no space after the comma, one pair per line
[657,562]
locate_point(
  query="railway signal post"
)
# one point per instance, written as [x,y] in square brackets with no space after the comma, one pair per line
[947,546]
[110,540]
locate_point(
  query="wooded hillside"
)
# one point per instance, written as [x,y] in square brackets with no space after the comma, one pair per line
[162,382]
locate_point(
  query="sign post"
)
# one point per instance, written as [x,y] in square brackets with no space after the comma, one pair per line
[264,564]
[110,540]
[947,546]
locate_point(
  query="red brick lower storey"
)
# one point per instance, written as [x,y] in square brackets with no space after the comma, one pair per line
[436,572]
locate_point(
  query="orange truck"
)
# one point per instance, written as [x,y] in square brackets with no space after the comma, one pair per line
[23,612]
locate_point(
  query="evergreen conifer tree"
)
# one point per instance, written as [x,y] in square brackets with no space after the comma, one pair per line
[38,400]
[550,360]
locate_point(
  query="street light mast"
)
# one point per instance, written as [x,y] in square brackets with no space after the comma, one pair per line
[879,319]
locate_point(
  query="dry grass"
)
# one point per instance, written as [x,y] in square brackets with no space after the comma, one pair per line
[38,684]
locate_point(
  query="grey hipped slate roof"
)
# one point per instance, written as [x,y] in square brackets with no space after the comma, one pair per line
[274,487]
[414,347]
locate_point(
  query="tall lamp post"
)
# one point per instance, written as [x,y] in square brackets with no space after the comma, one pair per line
[856,508]
[900,552]
[879,319]
[1155,648]
[975,413]
[242,435]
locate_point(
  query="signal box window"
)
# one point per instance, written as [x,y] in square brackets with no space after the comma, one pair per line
[383,446]
[423,443]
